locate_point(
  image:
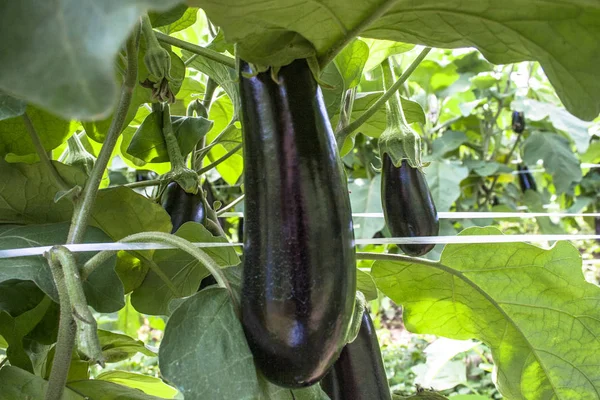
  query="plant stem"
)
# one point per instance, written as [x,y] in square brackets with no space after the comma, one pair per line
[341,135]
[209,92]
[230,205]
[83,207]
[87,328]
[175,157]
[354,32]
[152,182]
[66,337]
[39,148]
[201,51]
[220,160]
[148,32]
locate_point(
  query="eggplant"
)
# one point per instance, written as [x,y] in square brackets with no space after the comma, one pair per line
[518,121]
[407,204]
[526,180]
[359,373]
[183,207]
[299,276]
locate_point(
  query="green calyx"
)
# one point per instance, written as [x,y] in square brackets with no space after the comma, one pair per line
[398,140]
[78,156]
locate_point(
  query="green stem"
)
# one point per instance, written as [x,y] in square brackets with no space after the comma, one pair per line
[396,257]
[220,160]
[39,148]
[152,182]
[201,51]
[148,32]
[87,328]
[164,238]
[83,207]
[211,86]
[177,160]
[394,114]
[230,205]
[66,337]
[342,134]
[354,32]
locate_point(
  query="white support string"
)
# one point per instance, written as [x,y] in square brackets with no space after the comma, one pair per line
[467,215]
[467,239]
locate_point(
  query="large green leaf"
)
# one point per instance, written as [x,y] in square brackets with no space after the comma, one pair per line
[29,199]
[97,389]
[559,160]
[17,296]
[16,383]
[365,197]
[103,289]
[60,55]
[14,329]
[145,383]
[182,269]
[380,50]
[562,36]
[532,306]
[14,137]
[204,351]
[444,179]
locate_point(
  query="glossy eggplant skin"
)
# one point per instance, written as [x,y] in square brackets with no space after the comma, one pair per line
[526,179]
[518,121]
[182,206]
[299,279]
[408,207]
[359,373]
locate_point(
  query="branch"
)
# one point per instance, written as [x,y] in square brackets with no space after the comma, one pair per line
[83,207]
[39,148]
[201,51]
[342,134]
[220,160]
[230,205]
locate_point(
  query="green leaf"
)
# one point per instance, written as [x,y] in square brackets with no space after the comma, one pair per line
[204,351]
[14,137]
[444,180]
[103,289]
[148,143]
[333,94]
[366,284]
[16,296]
[16,383]
[167,17]
[117,347]
[592,155]
[530,305]
[434,76]
[351,61]
[11,107]
[97,389]
[14,329]
[224,76]
[29,199]
[561,36]
[60,56]
[365,197]
[559,160]
[560,118]
[449,141]
[222,113]
[380,50]
[145,383]
[487,168]
[182,269]
[129,320]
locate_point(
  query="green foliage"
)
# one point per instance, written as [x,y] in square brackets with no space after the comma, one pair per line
[523,301]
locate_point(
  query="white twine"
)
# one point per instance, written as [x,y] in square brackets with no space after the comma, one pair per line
[467,239]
